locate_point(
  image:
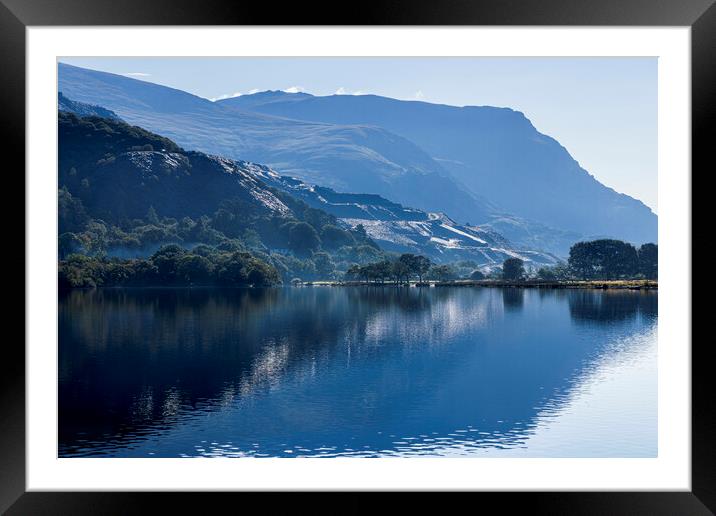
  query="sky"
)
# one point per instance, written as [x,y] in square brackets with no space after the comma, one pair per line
[602,110]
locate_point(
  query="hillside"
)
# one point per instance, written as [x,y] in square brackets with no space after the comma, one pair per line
[407,230]
[119,173]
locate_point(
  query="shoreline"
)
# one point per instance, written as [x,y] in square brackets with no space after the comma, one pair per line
[572,284]
[567,284]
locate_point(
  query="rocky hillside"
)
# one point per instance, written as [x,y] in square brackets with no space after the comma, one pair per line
[402,229]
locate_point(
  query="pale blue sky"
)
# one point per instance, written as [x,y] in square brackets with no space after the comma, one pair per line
[603,110]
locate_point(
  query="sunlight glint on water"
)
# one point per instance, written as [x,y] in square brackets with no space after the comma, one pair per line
[368,372]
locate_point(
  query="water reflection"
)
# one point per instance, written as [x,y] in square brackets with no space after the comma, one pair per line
[327,371]
[609,306]
[513,298]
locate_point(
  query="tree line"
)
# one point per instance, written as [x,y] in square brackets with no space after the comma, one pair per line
[171,265]
[605,259]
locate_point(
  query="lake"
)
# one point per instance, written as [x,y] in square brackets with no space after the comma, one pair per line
[358,371]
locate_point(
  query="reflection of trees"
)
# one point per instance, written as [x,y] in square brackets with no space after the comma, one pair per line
[609,306]
[132,360]
[513,298]
[138,352]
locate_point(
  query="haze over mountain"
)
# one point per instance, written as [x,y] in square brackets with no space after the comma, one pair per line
[119,172]
[481,166]
[352,158]
[495,152]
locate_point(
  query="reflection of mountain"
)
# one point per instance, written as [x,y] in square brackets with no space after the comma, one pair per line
[342,369]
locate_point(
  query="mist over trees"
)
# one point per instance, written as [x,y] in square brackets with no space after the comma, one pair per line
[117,219]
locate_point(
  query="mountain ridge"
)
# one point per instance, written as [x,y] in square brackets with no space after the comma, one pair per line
[348,157]
[485,182]
[491,150]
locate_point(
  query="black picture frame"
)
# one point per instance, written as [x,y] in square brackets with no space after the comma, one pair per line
[16,15]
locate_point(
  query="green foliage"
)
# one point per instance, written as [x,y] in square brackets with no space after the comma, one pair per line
[477,275]
[414,265]
[443,273]
[402,269]
[546,273]
[649,261]
[194,269]
[303,238]
[604,259]
[333,237]
[559,272]
[513,269]
[71,213]
[171,265]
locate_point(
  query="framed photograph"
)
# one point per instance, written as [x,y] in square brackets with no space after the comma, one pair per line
[420,248]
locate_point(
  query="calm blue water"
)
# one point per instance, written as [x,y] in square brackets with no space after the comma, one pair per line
[359,371]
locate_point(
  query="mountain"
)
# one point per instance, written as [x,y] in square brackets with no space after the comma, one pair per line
[495,152]
[406,230]
[119,172]
[346,157]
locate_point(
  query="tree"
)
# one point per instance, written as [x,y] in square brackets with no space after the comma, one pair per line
[400,271]
[546,273]
[513,269]
[383,270]
[333,237]
[252,239]
[477,275]
[443,273]
[557,272]
[604,259]
[649,261]
[232,271]
[262,274]
[353,272]
[166,260]
[302,238]
[194,269]
[416,265]
[71,213]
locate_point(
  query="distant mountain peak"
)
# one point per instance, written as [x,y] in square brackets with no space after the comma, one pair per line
[259,98]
